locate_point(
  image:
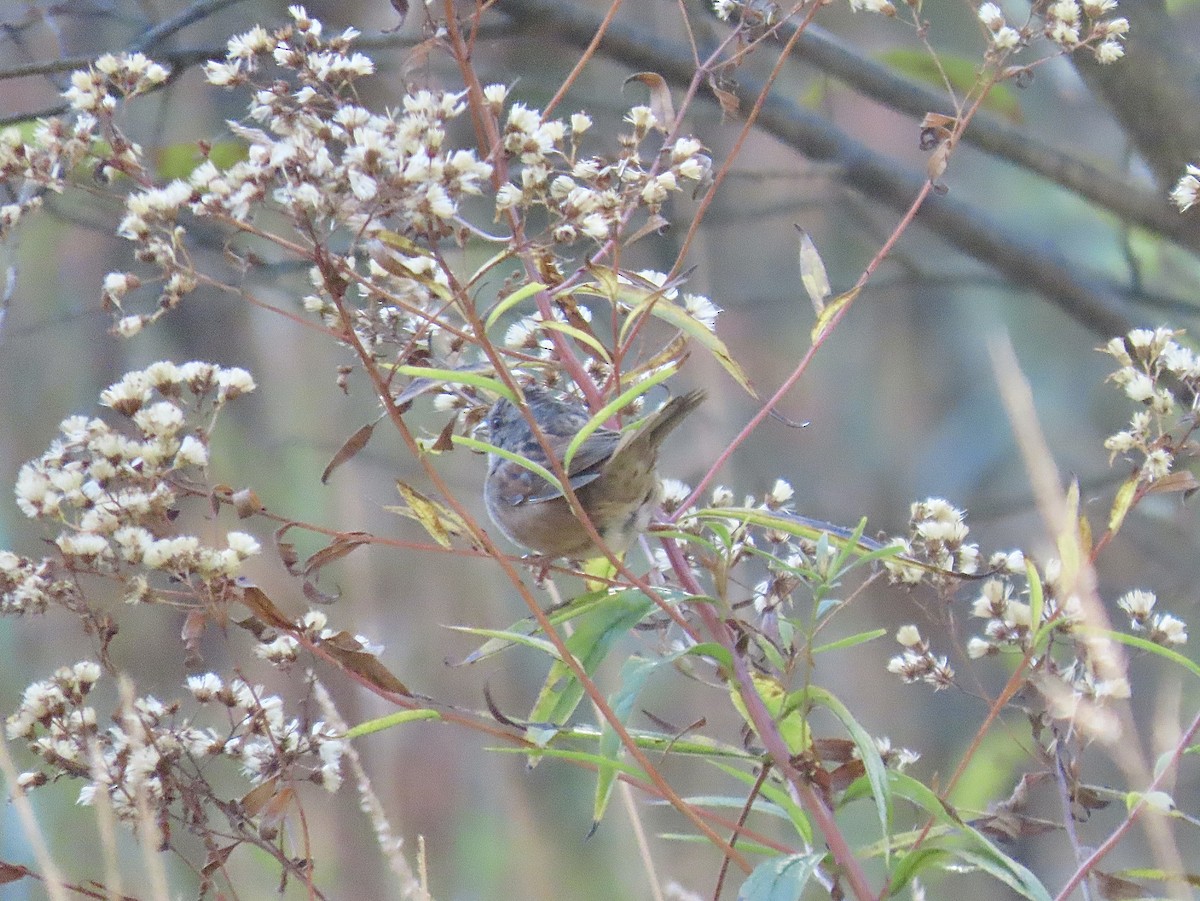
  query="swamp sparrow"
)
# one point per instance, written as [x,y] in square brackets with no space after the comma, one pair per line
[612,474]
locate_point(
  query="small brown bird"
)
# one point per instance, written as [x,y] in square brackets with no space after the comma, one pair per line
[612,474]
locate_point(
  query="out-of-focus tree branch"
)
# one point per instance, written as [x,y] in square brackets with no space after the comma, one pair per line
[1154,91]
[1134,204]
[1095,302]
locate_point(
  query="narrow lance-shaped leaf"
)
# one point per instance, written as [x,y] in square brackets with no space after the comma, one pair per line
[812,273]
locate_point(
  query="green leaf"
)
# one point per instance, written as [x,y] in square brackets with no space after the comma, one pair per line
[778,796]
[850,641]
[876,772]
[516,633]
[786,710]
[781,878]
[488,448]
[595,634]
[848,540]
[634,673]
[458,377]
[812,273]
[644,300]
[978,850]
[1037,597]
[961,72]
[392,719]
[579,335]
[909,866]
[619,402]
[1017,877]
[1143,644]
[499,639]
[180,160]
[511,301]
[830,311]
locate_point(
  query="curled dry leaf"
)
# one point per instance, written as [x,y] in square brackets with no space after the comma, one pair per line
[316,595]
[336,550]
[660,97]
[727,99]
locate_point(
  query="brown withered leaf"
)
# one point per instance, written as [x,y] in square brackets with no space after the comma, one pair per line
[727,99]
[939,160]
[1114,888]
[939,121]
[256,627]
[336,550]
[1009,826]
[276,808]
[350,447]
[1090,798]
[445,439]
[348,651]
[252,802]
[834,750]
[217,858]
[440,522]
[400,6]
[841,777]
[287,550]
[215,497]
[1181,480]
[673,355]
[316,595]
[193,629]
[660,98]
[263,607]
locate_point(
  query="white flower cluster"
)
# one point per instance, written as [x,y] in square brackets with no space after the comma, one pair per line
[321,156]
[1068,23]
[590,197]
[918,663]
[758,13]
[1161,628]
[150,751]
[113,492]
[1155,369]
[58,146]
[1187,190]
[937,535]
[264,741]
[97,88]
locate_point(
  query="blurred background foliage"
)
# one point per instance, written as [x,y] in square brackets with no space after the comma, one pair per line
[900,405]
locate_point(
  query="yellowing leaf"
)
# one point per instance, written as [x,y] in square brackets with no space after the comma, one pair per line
[1121,503]
[812,273]
[439,521]
[832,309]
[784,710]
